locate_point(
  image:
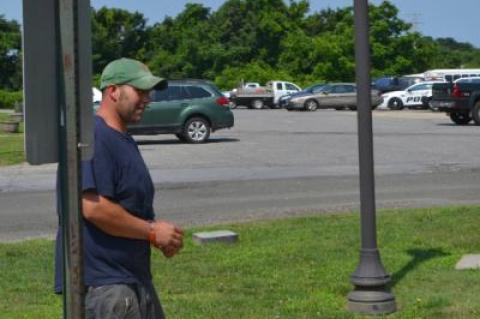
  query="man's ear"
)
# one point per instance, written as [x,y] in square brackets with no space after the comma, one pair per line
[113,93]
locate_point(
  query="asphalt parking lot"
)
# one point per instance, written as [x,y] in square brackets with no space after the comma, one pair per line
[324,142]
[275,163]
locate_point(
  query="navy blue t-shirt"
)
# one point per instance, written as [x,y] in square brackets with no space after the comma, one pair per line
[116,171]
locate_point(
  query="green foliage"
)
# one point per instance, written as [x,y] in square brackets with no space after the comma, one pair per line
[117,33]
[10,55]
[242,37]
[8,99]
[453,54]
[253,72]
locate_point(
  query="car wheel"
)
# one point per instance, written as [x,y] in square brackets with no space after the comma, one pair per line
[426,102]
[196,130]
[460,118]
[395,104]
[232,105]
[476,113]
[257,104]
[310,105]
[352,108]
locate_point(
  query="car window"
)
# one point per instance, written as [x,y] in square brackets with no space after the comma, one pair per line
[468,80]
[383,82]
[326,88]
[196,92]
[159,96]
[176,93]
[315,88]
[291,87]
[343,89]
[337,89]
[279,86]
[418,87]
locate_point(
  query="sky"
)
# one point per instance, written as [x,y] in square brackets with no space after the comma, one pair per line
[435,18]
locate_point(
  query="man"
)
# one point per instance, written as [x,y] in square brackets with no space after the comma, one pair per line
[117,201]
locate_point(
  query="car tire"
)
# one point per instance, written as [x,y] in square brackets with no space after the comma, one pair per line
[460,118]
[257,104]
[310,105]
[196,130]
[395,104]
[232,105]
[476,113]
[426,102]
[352,108]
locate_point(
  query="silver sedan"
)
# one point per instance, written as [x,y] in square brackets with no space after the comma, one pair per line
[334,95]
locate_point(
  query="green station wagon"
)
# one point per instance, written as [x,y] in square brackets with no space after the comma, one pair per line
[190,109]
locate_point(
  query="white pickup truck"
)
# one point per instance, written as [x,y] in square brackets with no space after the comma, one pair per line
[257,97]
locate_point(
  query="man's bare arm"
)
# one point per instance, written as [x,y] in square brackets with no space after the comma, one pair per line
[114,220]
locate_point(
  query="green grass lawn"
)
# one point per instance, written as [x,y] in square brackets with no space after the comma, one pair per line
[290,268]
[11,146]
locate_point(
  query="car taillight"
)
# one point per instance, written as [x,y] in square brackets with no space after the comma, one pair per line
[456,91]
[222,101]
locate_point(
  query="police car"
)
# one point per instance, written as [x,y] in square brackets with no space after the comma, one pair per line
[415,96]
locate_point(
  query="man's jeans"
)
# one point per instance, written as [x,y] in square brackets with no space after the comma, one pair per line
[122,301]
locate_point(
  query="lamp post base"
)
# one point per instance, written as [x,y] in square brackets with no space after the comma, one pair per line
[371,301]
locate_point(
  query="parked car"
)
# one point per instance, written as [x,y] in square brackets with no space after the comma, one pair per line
[283,100]
[96,95]
[258,97]
[333,95]
[395,83]
[475,79]
[190,109]
[415,96]
[243,86]
[459,99]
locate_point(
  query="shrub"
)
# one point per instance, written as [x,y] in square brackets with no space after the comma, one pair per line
[8,99]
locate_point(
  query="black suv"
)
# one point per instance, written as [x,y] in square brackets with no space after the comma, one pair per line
[190,109]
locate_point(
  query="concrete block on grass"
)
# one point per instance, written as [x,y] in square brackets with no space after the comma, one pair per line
[219,236]
[468,262]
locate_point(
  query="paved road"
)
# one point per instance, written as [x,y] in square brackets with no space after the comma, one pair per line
[277,163]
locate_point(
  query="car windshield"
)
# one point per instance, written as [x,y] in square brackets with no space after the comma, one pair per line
[468,80]
[315,87]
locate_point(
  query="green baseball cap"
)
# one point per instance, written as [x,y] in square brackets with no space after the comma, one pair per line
[131,72]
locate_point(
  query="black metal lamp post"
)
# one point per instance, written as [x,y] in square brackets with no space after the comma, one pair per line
[371,295]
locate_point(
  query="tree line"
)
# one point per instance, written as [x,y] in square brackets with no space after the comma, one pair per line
[256,40]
